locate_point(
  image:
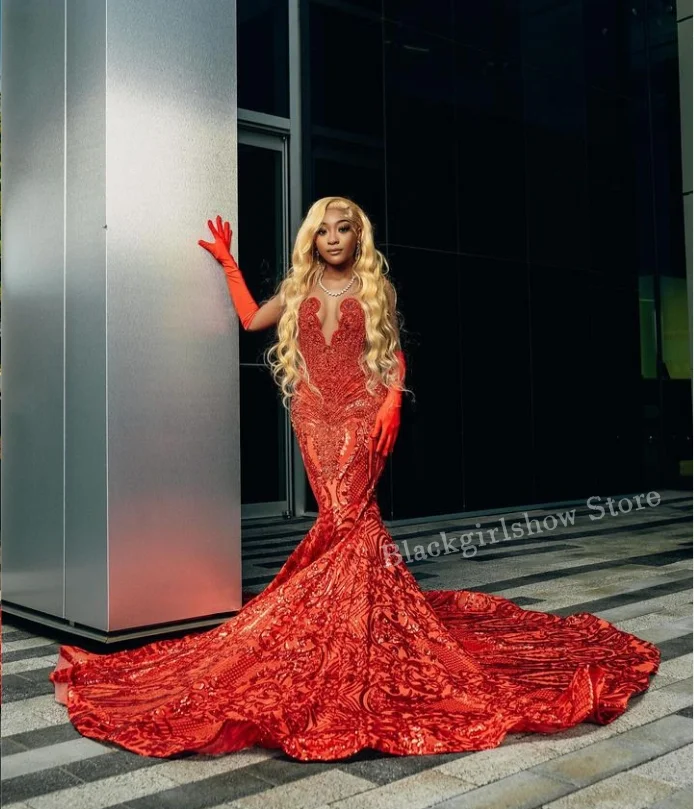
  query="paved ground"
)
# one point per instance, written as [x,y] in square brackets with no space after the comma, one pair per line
[633,569]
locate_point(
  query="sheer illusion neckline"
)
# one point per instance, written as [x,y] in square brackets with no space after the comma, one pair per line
[316,314]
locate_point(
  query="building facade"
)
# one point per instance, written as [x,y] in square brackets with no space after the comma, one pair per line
[521,163]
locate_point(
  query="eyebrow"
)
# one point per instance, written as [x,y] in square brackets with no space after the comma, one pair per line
[338,221]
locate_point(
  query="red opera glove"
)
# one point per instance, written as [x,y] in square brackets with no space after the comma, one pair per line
[244,303]
[387,425]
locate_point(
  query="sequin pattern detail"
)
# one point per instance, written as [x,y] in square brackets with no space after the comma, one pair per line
[343,651]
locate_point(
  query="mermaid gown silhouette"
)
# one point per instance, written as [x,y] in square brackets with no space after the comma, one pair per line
[343,650]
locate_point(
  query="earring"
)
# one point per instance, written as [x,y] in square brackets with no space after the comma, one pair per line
[357,252]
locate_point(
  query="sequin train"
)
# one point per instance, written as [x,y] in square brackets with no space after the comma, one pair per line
[343,651]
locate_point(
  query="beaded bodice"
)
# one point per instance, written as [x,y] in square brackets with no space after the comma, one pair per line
[346,344]
[338,395]
[334,367]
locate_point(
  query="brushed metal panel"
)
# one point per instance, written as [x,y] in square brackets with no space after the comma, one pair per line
[33,303]
[86,582]
[172,337]
[121,475]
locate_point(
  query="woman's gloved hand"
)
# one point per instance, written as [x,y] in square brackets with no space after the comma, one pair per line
[244,303]
[387,425]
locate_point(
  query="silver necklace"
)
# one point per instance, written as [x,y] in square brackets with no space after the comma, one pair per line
[331,292]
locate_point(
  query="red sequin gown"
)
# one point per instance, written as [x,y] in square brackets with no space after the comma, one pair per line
[343,650]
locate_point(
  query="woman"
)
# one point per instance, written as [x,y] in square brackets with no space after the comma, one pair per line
[343,651]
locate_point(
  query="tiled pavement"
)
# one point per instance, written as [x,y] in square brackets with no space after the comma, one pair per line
[633,570]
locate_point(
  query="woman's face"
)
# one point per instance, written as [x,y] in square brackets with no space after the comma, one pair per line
[336,239]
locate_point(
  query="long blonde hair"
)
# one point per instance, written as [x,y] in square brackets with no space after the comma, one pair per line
[284,357]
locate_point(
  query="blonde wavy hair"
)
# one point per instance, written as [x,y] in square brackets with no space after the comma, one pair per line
[284,357]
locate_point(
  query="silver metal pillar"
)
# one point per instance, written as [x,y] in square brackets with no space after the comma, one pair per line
[120,473]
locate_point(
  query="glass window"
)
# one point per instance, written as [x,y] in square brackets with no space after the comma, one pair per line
[263,56]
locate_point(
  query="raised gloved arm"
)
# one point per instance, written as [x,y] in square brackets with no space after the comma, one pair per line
[244,303]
